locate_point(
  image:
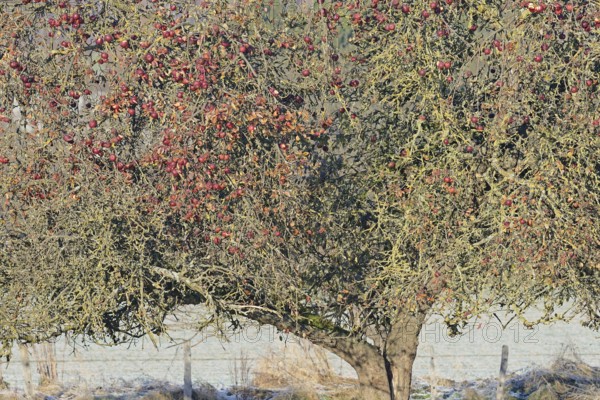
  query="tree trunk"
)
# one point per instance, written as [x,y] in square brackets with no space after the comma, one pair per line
[372,378]
[400,353]
[367,361]
[386,376]
[401,373]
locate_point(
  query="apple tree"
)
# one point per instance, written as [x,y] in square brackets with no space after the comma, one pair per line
[338,170]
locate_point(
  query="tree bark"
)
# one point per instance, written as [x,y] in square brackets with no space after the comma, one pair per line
[372,378]
[384,373]
[400,353]
[369,364]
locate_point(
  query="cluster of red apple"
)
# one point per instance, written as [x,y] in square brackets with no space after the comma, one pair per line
[75,20]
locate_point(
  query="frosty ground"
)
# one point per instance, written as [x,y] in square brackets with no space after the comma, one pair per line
[567,378]
[558,361]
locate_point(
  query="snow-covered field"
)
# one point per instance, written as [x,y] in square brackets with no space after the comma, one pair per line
[221,363]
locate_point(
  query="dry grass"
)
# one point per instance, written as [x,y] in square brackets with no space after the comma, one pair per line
[311,394]
[298,365]
[155,390]
[197,394]
[302,372]
[589,393]
[567,378]
[297,394]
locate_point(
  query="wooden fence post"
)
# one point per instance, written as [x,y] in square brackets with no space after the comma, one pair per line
[187,370]
[433,375]
[3,384]
[26,363]
[502,377]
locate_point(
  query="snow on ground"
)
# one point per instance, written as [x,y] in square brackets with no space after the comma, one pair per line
[473,357]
